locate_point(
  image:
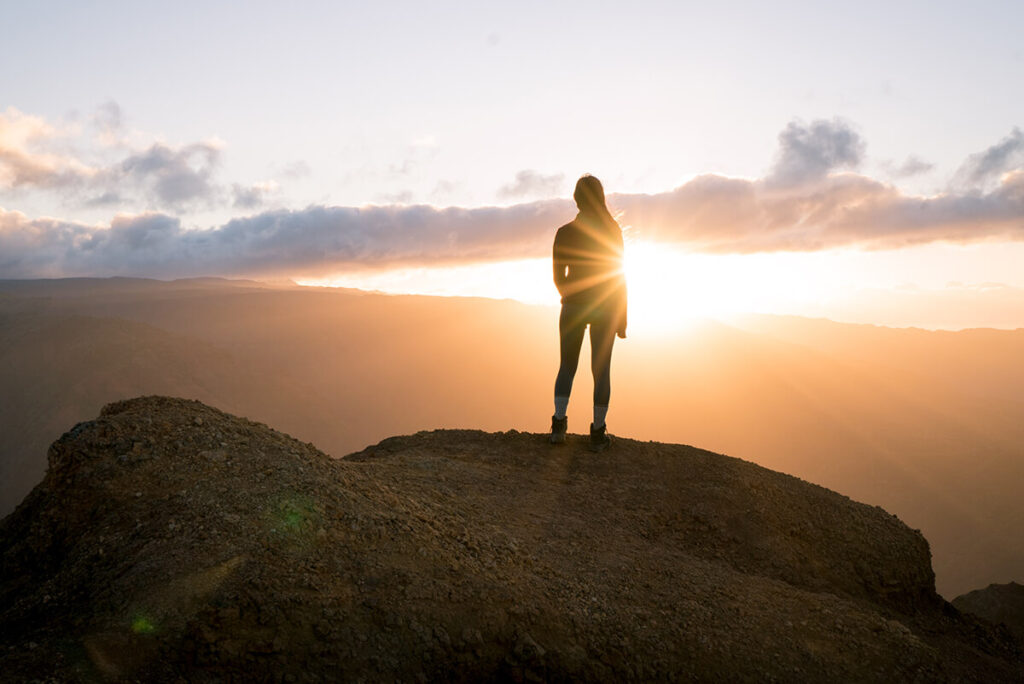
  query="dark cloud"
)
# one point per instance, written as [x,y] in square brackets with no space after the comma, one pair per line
[315,240]
[50,248]
[135,237]
[323,238]
[807,153]
[36,248]
[530,183]
[985,167]
[246,197]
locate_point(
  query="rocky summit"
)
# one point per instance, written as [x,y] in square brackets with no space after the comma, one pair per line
[172,542]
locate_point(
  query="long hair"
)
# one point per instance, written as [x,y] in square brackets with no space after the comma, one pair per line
[589,196]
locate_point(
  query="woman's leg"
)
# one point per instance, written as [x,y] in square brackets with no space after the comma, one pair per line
[571,328]
[602,338]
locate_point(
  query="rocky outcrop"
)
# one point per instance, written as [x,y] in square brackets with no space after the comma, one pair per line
[170,540]
[1000,604]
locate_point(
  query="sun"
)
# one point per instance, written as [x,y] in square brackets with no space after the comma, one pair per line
[661,292]
[669,288]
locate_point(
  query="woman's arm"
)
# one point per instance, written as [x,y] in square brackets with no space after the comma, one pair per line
[559,265]
[622,309]
[621,296]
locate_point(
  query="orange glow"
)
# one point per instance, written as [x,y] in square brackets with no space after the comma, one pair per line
[668,288]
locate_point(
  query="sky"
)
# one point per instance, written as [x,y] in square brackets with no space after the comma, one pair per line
[861,161]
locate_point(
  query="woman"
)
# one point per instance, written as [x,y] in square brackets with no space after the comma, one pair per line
[587,261]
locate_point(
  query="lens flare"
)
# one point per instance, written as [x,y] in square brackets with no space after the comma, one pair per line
[143,624]
[293,514]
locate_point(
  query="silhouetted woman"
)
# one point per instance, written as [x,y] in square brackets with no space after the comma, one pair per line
[587,261]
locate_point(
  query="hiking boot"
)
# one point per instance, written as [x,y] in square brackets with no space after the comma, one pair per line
[599,439]
[558,429]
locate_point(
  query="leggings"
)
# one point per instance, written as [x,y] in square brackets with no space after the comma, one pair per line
[572,323]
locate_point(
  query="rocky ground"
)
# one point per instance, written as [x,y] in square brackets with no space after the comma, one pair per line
[172,542]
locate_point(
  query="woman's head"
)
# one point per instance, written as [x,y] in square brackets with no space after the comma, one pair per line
[589,195]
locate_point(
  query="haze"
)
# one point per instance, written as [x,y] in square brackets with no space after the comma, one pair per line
[925,424]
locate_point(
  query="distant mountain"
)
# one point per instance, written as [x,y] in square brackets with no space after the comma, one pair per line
[925,424]
[997,603]
[58,368]
[170,541]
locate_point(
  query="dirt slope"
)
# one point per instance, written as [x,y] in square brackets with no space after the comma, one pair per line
[172,540]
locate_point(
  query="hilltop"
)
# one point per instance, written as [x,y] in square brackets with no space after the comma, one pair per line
[169,539]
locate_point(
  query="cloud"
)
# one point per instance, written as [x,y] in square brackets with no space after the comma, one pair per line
[135,238]
[253,196]
[807,153]
[530,183]
[984,167]
[19,169]
[443,188]
[106,199]
[24,160]
[911,166]
[316,241]
[109,122]
[710,213]
[173,177]
[52,248]
[726,215]
[164,176]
